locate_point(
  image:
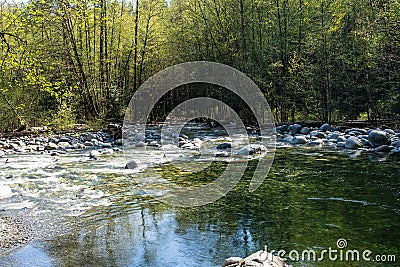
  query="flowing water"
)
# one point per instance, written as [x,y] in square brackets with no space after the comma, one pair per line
[90,213]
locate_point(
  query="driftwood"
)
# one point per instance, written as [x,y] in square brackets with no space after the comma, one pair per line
[259,259]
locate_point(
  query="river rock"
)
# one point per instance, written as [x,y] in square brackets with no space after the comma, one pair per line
[251,149]
[2,153]
[118,142]
[325,127]
[63,144]
[89,137]
[223,146]
[299,140]
[365,142]
[389,131]
[140,137]
[107,151]
[378,138]
[233,261]
[383,148]
[396,143]
[131,165]
[88,143]
[51,146]
[94,154]
[334,135]
[353,143]
[318,134]
[316,142]
[288,138]
[105,145]
[305,130]
[295,129]
[140,144]
[341,144]
[64,139]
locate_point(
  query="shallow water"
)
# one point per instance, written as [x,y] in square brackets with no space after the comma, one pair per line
[91,213]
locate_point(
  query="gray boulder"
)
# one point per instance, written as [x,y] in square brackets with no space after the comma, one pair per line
[379,138]
[318,134]
[353,143]
[305,130]
[341,138]
[325,127]
[131,165]
[295,128]
[334,135]
[223,146]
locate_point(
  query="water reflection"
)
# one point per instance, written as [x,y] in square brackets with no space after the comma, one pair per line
[309,200]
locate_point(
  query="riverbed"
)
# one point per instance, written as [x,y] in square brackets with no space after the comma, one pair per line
[85,212]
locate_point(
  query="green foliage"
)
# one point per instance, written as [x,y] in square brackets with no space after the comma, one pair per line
[328,60]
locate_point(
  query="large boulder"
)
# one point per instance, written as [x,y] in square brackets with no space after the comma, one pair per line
[295,128]
[325,127]
[305,130]
[379,138]
[353,143]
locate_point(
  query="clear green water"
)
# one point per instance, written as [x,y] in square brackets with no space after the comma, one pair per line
[309,200]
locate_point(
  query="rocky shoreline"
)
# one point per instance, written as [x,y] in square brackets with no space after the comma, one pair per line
[370,140]
[110,140]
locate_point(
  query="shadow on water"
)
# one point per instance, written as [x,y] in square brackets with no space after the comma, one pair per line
[309,200]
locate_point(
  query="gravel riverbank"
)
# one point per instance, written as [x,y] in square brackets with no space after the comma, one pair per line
[13,233]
